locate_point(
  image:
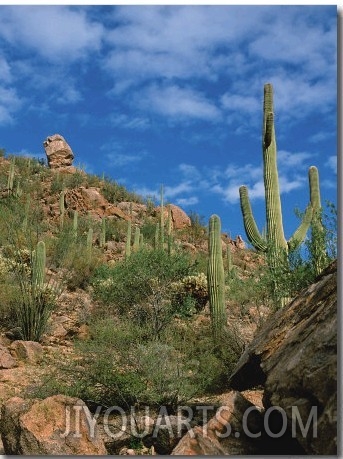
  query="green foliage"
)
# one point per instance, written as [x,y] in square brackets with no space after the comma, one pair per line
[140,286]
[115,193]
[123,366]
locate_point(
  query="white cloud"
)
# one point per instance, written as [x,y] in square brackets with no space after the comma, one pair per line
[332,164]
[127,122]
[54,32]
[181,188]
[287,159]
[9,104]
[185,202]
[5,70]
[176,102]
[117,159]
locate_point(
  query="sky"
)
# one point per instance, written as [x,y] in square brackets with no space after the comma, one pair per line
[173,95]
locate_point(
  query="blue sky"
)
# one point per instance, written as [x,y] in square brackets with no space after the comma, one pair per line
[173,95]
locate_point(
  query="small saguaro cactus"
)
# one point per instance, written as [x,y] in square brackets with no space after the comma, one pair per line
[216,277]
[136,239]
[162,218]
[89,243]
[128,240]
[38,266]
[26,214]
[75,224]
[102,240]
[62,209]
[229,258]
[274,243]
[157,236]
[10,179]
[169,230]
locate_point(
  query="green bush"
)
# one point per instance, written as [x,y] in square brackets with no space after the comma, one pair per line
[122,366]
[141,286]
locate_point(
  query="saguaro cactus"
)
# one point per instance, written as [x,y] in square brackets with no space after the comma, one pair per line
[275,243]
[10,179]
[317,243]
[169,230]
[216,277]
[62,209]
[136,239]
[102,240]
[162,219]
[38,266]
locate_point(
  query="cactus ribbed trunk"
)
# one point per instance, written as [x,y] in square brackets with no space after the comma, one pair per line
[136,240]
[275,243]
[216,277]
[162,219]
[128,240]
[102,240]
[275,233]
[38,266]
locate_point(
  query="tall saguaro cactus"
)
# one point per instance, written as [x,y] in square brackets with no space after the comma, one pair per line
[274,244]
[216,277]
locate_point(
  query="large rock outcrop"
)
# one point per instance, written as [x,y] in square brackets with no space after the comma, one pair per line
[44,427]
[58,152]
[294,356]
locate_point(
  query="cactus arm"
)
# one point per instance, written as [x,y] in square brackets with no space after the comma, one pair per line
[215,277]
[250,226]
[300,233]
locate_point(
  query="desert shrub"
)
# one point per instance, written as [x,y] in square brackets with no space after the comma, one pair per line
[140,287]
[122,366]
[115,193]
[192,291]
[70,253]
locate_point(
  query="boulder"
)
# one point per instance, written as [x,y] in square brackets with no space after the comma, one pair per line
[179,217]
[58,152]
[294,356]
[29,351]
[44,427]
[6,359]
[226,433]
[90,200]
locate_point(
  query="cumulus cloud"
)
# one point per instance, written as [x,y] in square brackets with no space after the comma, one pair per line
[177,102]
[54,32]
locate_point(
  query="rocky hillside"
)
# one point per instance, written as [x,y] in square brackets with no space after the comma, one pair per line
[132,330]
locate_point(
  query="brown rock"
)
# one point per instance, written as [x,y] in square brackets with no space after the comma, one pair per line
[30,351]
[6,360]
[41,427]
[226,433]
[294,356]
[179,218]
[58,152]
[90,200]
